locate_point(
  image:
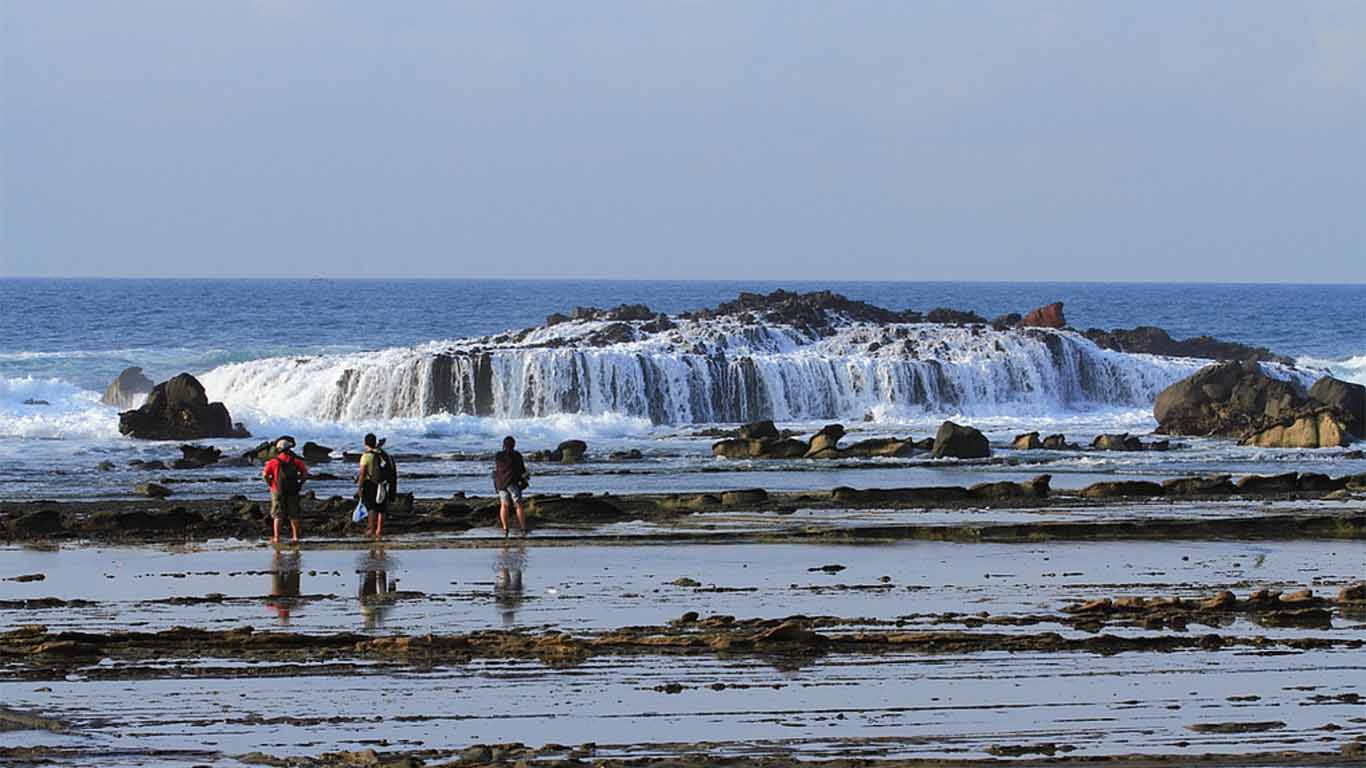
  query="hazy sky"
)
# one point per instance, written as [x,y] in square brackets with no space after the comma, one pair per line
[734,139]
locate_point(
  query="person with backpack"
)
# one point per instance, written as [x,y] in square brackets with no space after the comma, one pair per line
[376,484]
[285,474]
[510,478]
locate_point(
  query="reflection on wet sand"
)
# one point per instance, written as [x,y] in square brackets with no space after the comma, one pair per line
[284,584]
[376,591]
[507,582]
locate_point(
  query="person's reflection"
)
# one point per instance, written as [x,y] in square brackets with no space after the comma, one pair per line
[507,583]
[375,590]
[284,583]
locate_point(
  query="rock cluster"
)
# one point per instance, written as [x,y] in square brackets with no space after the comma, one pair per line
[178,409]
[762,440]
[1237,399]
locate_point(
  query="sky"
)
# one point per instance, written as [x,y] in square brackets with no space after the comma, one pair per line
[1167,140]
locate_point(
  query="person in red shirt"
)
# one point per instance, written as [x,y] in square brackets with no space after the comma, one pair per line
[285,474]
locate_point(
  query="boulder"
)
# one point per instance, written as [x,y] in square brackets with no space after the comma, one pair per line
[178,409]
[1227,400]
[747,496]
[1059,443]
[787,448]
[1027,442]
[128,390]
[741,448]
[1006,322]
[313,453]
[760,430]
[571,451]
[946,316]
[1122,442]
[957,441]
[1049,316]
[199,455]
[265,450]
[1317,482]
[825,443]
[1344,397]
[1316,429]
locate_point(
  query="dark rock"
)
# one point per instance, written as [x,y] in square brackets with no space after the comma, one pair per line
[555,319]
[1033,489]
[575,509]
[200,455]
[956,441]
[633,454]
[177,519]
[105,466]
[1059,443]
[922,495]
[128,390]
[945,316]
[1027,442]
[1049,316]
[1227,400]
[1122,488]
[1283,483]
[39,523]
[177,409]
[1312,481]
[1122,442]
[925,444]
[313,453]
[1006,322]
[760,430]
[1346,399]
[1198,486]
[34,401]
[153,490]
[879,446]
[744,497]
[1155,341]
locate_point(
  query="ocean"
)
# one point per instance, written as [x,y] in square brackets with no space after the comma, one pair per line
[277,352]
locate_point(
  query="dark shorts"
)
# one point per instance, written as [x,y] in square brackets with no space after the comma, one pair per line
[284,507]
[367,495]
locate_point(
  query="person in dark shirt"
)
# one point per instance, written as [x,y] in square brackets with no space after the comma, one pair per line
[509,479]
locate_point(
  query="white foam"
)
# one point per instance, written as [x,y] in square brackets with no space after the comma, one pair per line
[1351,369]
[70,413]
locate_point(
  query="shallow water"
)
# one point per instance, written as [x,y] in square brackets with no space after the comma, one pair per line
[595,588]
[949,705]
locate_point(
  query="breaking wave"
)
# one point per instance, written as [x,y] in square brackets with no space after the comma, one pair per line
[707,370]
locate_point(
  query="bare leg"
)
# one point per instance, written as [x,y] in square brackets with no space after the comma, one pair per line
[275,530]
[294,528]
[503,515]
[379,525]
[521,519]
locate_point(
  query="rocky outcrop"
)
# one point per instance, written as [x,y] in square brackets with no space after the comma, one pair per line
[196,456]
[1027,442]
[1345,397]
[178,409]
[1149,340]
[825,443]
[128,390]
[1049,316]
[316,454]
[1239,400]
[567,452]
[762,440]
[960,442]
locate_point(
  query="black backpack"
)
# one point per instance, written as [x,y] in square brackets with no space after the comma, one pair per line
[286,477]
[388,477]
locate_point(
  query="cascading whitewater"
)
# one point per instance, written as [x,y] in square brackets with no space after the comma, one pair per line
[709,369]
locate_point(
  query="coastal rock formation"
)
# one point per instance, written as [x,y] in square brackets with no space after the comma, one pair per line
[128,390]
[1347,398]
[1049,316]
[1239,400]
[825,443]
[960,442]
[762,440]
[1149,340]
[567,452]
[178,409]
[1027,442]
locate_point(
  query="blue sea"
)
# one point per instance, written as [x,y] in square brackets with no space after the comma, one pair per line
[258,342]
